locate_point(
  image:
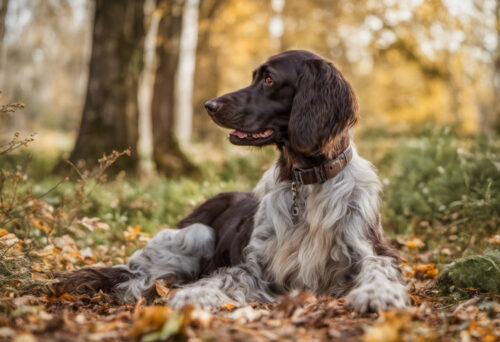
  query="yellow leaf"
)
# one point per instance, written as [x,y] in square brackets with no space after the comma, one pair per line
[228,307]
[41,225]
[3,232]
[391,328]
[415,243]
[495,240]
[131,234]
[151,318]
[77,255]
[37,268]
[89,260]
[428,270]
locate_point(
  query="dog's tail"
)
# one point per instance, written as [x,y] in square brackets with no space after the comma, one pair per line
[90,280]
[173,256]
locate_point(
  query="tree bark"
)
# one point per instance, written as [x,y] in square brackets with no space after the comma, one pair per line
[207,76]
[110,116]
[145,143]
[4,4]
[169,158]
[185,72]
[496,79]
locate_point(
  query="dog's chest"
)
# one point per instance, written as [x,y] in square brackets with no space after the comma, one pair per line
[297,256]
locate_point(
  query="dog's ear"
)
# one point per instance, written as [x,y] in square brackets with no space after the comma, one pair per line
[324,106]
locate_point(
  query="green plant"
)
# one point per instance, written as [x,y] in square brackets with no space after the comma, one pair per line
[445,187]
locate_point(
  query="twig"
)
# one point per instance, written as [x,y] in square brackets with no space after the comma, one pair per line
[65,179]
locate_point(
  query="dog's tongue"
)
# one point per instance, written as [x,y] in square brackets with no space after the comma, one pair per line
[243,135]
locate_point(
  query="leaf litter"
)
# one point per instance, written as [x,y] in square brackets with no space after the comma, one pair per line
[27,315]
[29,312]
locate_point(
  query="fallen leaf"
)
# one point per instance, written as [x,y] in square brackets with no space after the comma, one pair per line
[66,296]
[495,239]
[415,243]
[228,307]
[427,270]
[133,234]
[151,318]
[93,223]
[390,328]
[38,276]
[39,224]
[161,290]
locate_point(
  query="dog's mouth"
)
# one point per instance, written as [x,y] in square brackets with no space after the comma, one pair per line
[263,137]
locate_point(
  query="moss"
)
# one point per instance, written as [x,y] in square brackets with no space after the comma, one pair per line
[480,272]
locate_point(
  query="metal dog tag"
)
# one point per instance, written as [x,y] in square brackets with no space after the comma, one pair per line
[297,206]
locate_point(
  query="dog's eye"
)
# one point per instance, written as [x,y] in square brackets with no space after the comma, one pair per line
[268,80]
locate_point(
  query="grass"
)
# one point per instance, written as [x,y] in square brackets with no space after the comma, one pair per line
[446,190]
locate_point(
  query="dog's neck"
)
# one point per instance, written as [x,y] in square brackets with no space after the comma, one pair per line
[290,158]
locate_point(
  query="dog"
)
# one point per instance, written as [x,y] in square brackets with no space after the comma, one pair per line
[312,222]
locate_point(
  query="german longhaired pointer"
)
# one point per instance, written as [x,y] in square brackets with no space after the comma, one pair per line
[312,222]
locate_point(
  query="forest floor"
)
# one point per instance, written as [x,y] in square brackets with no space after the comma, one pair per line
[441,205]
[29,312]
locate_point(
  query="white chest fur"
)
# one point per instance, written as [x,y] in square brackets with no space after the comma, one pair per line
[316,254]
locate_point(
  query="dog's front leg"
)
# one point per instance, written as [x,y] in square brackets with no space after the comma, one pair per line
[379,286]
[236,285]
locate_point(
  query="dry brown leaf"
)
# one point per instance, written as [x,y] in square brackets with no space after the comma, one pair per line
[495,239]
[390,329]
[150,318]
[161,290]
[66,296]
[38,276]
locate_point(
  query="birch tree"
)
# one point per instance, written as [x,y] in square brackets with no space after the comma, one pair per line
[185,72]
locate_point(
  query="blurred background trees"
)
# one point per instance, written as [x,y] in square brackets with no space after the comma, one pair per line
[77,64]
[167,155]
[3,12]
[110,114]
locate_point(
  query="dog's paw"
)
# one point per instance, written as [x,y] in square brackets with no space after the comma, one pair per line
[199,297]
[376,297]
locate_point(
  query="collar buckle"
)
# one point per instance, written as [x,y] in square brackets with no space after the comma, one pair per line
[297,173]
[320,173]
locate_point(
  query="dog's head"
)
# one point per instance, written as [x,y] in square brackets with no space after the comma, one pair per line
[296,99]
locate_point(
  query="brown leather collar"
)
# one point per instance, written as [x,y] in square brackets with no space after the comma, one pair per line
[322,173]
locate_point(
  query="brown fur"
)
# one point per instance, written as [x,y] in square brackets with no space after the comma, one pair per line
[90,280]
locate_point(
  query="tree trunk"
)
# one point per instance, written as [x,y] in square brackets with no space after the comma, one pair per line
[207,76]
[110,116]
[185,73]
[145,143]
[4,4]
[169,158]
[496,80]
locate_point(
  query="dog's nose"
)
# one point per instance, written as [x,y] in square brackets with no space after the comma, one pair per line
[212,107]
